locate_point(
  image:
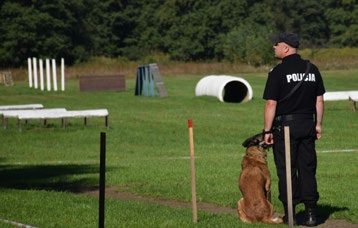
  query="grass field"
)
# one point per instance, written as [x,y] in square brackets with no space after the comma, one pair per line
[147,154]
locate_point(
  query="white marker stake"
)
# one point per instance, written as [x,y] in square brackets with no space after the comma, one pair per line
[192,168]
[41,66]
[29,64]
[62,74]
[48,75]
[34,63]
[54,75]
[288,175]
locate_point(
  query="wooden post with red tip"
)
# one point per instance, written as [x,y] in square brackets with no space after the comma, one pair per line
[192,169]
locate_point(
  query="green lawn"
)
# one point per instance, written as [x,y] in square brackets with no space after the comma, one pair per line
[147,154]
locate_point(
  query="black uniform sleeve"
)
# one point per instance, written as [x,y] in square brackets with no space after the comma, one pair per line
[271,91]
[320,86]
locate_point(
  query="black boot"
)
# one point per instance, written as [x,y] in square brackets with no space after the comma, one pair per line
[311,218]
[285,217]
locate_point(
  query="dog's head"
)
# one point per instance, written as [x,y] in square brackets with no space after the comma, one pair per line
[256,140]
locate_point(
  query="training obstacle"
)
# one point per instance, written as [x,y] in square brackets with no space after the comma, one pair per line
[351,96]
[36,72]
[149,77]
[225,88]
[21,106]
[53,113]
[6,78]
[102,83]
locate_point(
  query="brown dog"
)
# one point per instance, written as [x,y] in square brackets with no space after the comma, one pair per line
[255,183]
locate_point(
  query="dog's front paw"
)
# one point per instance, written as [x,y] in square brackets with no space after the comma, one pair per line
[277,220]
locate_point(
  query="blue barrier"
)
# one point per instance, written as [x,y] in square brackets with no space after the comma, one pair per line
[148,77]
[145,82]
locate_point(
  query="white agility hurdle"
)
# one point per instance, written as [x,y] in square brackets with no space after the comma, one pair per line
[6,114]
[22,106]
[50,113]
[63,115]
[342,95]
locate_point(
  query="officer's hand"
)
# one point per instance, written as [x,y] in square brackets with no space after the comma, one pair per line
[269,139]
[318,132]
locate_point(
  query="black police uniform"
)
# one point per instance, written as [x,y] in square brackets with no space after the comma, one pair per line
[298,113]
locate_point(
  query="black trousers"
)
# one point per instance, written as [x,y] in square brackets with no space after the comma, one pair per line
[303,160]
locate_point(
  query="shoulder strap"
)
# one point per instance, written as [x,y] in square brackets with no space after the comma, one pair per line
[298,84]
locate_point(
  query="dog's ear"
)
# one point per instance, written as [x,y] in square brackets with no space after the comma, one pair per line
[247,142]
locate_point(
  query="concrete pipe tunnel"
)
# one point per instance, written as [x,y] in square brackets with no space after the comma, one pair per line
[225,88]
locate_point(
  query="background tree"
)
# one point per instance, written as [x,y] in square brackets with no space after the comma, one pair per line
[342,22]
[184,30]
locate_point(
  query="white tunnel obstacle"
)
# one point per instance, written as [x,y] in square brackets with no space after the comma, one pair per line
[225,88]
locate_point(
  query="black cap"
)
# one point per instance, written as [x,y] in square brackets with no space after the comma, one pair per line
[289,38]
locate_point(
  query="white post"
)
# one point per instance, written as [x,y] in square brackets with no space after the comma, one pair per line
[62,74]
[34,63]
[48,75]
[29,64]
[54,75]
[41,66]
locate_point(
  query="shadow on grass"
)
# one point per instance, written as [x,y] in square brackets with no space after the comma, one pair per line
[323,213]
[71,178]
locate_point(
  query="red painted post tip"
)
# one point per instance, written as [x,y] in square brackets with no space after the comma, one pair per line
[190,123]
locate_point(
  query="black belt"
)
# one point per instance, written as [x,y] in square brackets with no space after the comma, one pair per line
[295,117]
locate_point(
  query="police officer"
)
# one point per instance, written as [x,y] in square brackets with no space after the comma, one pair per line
[302,111]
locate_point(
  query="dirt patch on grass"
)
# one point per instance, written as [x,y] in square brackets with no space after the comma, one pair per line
[121,193]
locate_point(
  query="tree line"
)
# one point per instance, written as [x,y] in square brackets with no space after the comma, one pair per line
[185,30]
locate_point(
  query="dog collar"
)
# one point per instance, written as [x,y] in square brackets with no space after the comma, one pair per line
[263,145]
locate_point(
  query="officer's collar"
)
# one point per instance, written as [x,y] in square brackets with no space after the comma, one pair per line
[291,57]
